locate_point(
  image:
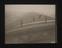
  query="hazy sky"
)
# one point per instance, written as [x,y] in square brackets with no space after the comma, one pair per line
[21,9]
[13,13]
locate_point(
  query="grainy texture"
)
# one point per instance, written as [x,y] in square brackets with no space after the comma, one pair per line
[40,34]
[30,24]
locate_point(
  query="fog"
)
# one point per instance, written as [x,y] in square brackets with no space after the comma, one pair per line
[14,14]
[21,9]
[30,24]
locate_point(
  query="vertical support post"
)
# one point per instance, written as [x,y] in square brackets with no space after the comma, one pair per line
[45,19]
[21,23]
[40,17]
[33,19]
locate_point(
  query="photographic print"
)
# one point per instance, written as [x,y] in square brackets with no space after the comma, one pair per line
[30,24]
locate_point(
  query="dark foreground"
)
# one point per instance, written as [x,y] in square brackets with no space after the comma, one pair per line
[40,34]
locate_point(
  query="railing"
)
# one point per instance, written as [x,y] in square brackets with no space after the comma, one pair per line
[35,24]
[34,21]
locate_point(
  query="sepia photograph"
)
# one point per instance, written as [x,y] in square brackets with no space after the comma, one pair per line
[30,23]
